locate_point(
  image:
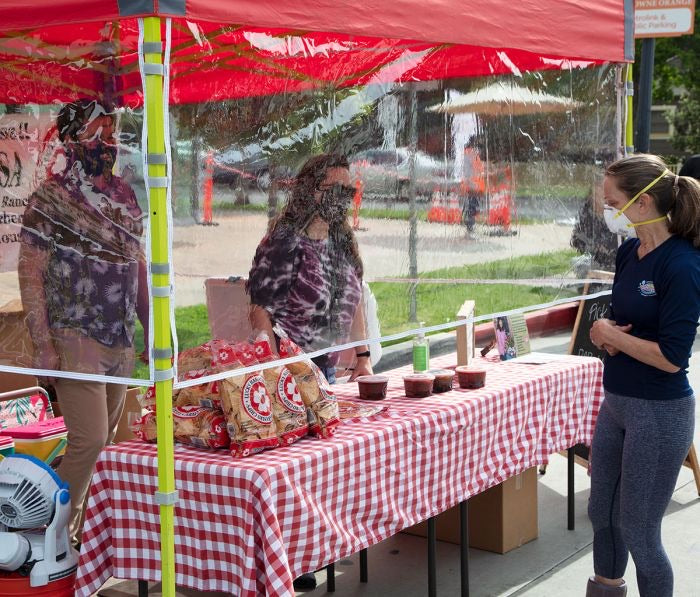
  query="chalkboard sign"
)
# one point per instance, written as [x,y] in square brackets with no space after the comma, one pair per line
[589,311]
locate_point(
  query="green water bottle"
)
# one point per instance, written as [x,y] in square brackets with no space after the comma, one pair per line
[421,353]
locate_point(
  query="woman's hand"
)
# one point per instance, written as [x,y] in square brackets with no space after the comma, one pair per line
[363,366]
[604,332]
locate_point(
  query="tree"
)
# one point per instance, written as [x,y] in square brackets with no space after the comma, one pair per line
[686,124]
[677,81]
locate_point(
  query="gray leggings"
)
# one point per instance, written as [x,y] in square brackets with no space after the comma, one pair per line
[637,452]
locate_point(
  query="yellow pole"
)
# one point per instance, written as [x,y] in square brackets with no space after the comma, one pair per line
[166,495]
[629,121]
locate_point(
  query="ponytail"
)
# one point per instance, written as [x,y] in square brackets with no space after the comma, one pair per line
[676,197]
[684,213]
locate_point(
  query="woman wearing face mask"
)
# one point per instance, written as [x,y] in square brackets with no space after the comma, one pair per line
[307,272]
[83,282]
[645,426]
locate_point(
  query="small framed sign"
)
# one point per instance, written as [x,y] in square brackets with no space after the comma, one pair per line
[512,337]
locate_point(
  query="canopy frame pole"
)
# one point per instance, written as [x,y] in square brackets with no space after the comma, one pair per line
[412,211]
[157,200]
[629,120]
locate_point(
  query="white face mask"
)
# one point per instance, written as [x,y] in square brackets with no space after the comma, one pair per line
[619,224]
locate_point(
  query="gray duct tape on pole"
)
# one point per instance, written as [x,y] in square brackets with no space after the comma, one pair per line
[145,7]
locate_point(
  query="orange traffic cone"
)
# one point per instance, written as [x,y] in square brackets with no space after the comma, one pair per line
[453,214]
[436,212]
[207,211]
[445,210]
[356,203]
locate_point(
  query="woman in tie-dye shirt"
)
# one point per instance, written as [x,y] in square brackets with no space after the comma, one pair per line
[307,272]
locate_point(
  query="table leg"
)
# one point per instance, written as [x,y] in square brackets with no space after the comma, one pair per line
[143,588]
[330,578]
[432,545]
[363,565]
[570,489]
[464,547]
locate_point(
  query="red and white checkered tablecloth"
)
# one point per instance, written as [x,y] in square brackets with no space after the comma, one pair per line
[250,526]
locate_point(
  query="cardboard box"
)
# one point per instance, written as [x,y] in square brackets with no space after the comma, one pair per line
[16,347]
[131,405]
[15,381]
[500,519]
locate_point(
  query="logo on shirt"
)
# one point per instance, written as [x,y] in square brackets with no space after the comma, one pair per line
[646,288]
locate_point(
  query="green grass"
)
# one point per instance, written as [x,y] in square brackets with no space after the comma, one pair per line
[439,303]
[556,191]
[392,214]
[542,265]
[230,206]
[436,303]
[192,330]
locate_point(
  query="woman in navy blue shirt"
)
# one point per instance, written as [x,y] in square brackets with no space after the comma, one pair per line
[645,426]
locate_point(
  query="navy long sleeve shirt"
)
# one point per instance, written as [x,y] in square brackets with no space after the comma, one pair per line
[660,296]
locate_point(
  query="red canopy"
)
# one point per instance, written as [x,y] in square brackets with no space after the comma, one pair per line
[213,59]
[549,27]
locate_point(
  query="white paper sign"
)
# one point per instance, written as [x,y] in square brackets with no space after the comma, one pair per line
[21,139]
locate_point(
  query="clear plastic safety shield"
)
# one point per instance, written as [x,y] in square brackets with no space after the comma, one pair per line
[74,218]
[312,170]
[314,176]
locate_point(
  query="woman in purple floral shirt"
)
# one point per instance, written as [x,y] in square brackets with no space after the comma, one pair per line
[307,272]
[82,278]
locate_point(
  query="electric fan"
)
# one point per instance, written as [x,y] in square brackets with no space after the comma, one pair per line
[34,511]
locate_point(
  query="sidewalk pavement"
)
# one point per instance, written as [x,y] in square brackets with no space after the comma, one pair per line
[557,564]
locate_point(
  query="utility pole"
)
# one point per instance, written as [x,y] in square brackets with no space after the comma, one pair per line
[643,91]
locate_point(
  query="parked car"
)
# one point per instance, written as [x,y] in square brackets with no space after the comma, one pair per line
[242,166]
[385,173]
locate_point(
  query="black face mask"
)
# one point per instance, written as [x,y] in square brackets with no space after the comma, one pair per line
[96,156]
[335,202]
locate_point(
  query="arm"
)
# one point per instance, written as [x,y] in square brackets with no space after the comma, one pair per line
[270,279]
[358,331]
[260,322]
[30,270]
[605,334]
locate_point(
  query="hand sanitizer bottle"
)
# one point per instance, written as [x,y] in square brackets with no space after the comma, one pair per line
[421,352]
